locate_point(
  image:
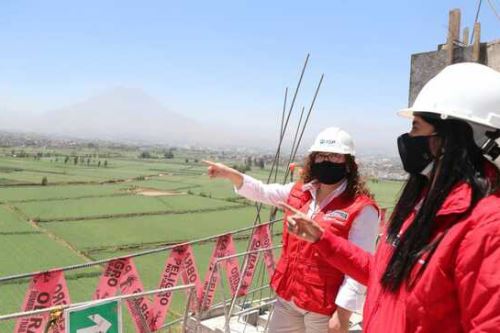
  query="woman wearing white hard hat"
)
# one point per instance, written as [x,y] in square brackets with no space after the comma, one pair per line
[437,266]
[311,296]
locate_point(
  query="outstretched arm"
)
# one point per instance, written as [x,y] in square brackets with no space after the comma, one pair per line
[346,256]
[250,187]
[351,295]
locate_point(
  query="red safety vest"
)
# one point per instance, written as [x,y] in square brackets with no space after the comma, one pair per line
[301,275]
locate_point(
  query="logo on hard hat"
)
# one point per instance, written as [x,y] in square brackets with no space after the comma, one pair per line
[330,142]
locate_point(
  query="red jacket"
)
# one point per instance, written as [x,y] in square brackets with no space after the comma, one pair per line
[301,275]
[459,291]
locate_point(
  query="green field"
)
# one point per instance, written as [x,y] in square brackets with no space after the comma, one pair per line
[93,235]
[109,206]
[46,193]
[85,212]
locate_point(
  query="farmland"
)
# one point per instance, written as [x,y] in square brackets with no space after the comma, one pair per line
[56,213]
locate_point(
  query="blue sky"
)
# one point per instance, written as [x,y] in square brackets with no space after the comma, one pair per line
[228,62]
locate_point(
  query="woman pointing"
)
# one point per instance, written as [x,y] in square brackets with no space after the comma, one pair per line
[314,297]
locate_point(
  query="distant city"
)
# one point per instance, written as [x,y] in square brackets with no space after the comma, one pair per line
[25,145]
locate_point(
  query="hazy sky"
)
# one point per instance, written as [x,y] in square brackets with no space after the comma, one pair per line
[228,62]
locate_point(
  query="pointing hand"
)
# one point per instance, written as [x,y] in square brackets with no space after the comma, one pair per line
[302,226]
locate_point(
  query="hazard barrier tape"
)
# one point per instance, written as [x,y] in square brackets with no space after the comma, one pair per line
[45,290]
[49,289]
[56,311]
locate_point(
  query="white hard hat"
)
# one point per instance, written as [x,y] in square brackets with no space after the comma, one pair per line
[466,91]
[333,140]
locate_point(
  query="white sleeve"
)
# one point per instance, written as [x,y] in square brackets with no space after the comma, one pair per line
[351,295]
[256,190]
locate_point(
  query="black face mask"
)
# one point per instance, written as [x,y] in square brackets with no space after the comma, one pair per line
[414,152]
[328,172]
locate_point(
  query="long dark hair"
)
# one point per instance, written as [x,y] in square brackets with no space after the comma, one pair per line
[460,160]
[356,185]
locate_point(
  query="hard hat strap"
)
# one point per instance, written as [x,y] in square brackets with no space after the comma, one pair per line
[490,147]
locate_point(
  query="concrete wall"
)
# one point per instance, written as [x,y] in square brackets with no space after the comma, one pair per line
[425,66]
[493,55]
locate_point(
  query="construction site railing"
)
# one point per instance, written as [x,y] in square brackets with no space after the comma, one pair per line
[226,304]
[189,287]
